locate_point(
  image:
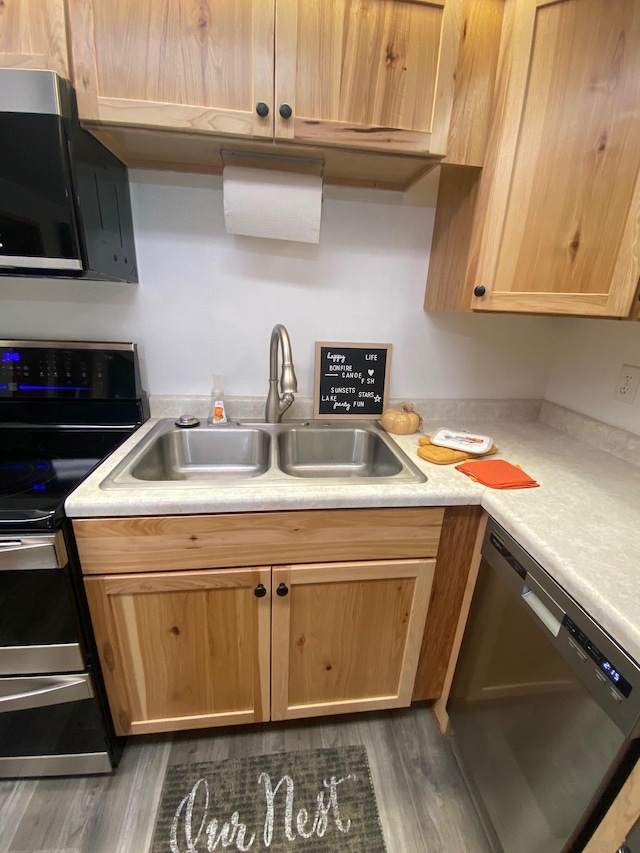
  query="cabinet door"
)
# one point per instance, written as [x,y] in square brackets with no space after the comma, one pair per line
[346,637]
[33,35]
[560,194]
[185,65]
[183,650]
[375,74]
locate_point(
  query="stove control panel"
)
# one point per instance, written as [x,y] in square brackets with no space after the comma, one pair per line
[44,369]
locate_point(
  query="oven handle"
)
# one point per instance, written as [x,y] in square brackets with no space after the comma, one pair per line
[39,691]
[28,552]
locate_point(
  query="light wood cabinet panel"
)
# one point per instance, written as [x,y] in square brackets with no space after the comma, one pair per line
[373,74]
[114,545]
[183,650]
[461,533]
[387,77]
[186,65]
[347,637]
[556,226]
[33,35]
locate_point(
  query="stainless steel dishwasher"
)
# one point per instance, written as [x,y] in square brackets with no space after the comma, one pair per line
[544,706]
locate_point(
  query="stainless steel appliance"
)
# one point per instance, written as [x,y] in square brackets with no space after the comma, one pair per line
[63,408]
[64,198]
[545,706]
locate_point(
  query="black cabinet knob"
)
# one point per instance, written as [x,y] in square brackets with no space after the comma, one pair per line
[282,590]
[480,290]
[285,111]
[260,591]
[262,109]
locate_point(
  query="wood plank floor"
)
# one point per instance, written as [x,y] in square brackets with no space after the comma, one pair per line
[423,801]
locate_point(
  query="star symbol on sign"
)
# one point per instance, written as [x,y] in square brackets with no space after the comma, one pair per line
[377,398]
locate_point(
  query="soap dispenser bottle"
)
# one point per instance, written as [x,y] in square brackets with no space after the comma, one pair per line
[217,408]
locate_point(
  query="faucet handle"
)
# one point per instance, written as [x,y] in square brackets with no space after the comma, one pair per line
[288,380]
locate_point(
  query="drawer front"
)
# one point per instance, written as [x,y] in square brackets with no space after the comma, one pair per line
[158,543]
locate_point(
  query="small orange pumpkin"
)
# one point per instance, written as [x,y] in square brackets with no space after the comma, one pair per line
[401,421]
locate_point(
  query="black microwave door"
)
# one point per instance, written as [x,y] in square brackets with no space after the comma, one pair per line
[37,219]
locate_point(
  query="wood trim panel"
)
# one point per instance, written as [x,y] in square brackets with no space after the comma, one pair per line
[627,269]
[204,721]
[475,77]
[181,117]
[82,50]
[623,813]
[34,35]
[164,543]
[284,675]
[462,532]
[453,23]
[317,132]
[439,707]
[447,288]
[583,304]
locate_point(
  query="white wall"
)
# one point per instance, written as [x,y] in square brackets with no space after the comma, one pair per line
[207,301]
[589,356]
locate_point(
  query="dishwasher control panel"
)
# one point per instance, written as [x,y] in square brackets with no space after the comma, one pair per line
[604,665]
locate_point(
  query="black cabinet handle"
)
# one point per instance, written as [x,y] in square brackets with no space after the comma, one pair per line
[260,591]
[282,590]
[480,290]
[285,111]
[262,109]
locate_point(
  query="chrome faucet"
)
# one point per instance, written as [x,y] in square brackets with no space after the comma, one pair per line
[278,401]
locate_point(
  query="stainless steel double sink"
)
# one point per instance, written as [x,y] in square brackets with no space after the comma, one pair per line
[303,452]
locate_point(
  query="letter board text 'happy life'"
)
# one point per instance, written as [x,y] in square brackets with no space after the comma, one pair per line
[351,379]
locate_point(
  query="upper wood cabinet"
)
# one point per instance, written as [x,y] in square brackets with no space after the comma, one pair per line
[375,74]
[170,83]
[184,65]
[556,222]
[33,35]
[366,73]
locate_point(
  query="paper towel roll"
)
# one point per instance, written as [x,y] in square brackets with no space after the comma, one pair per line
[276,204]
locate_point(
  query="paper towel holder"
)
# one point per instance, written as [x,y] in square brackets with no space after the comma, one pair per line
[280,162]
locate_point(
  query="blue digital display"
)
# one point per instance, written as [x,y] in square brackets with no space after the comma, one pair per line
[11,356]
[52,388]
[613,674]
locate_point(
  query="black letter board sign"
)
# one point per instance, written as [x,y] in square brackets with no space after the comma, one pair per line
[351,380]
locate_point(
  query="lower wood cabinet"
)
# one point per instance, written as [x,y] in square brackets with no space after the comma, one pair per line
[190,649]
[182,650]
[346,637]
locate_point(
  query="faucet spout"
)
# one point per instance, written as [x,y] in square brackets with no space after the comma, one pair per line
[279,399]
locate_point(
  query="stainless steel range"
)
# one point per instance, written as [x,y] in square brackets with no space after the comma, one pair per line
[64,407]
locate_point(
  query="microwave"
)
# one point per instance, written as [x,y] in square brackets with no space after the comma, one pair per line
[65,208]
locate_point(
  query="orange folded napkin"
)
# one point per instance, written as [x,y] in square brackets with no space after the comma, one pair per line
[497,474]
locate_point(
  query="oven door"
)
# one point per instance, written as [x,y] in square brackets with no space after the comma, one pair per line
[38,626]
[50,725]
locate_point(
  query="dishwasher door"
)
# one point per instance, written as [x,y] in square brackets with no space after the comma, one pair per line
[543,705]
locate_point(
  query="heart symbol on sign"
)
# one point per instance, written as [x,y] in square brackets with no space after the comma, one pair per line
[370,372]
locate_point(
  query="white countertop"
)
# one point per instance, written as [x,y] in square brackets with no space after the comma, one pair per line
[582,524]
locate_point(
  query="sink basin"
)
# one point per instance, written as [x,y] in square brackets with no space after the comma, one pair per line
[204,454]
[293,453]
[338,452]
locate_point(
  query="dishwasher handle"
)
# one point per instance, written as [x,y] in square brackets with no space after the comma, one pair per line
[542,605]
